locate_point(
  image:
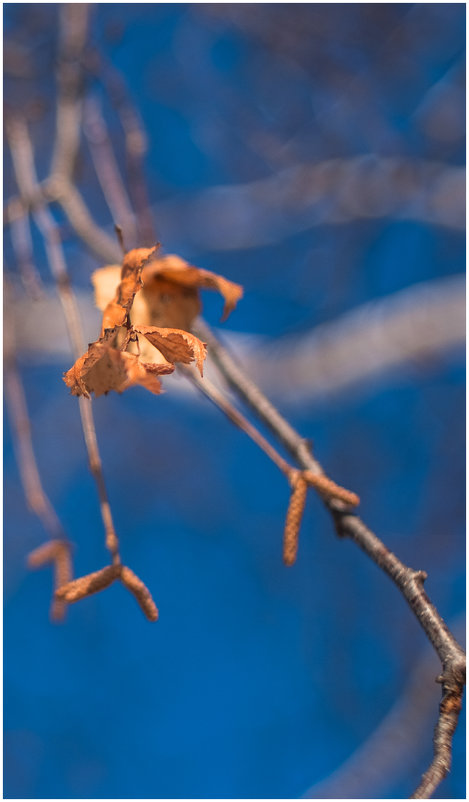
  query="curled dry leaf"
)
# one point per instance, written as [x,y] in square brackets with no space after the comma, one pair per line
[169,296]
[173,269]
[175,345]
[103,368]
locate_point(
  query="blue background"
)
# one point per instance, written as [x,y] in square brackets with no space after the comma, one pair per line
[257,681]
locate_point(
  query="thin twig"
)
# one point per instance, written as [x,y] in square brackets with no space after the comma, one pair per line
[36,497]
[322,484]
[135,143]
[23,162]
[407,580]
[73,34]
[213,393]
[23,248]
[107,170]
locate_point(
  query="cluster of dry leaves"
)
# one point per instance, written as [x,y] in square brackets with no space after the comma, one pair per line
[149,305]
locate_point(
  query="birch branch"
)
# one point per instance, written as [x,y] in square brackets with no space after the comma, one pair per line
[408,581]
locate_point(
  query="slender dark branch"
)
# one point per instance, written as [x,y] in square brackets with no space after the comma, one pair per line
[407,580]
[325,486]
[213,393]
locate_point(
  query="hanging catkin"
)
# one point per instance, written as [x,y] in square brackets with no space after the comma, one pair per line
[294,517]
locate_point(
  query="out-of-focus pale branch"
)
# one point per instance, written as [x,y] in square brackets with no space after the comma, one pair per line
[417,324]
[396,745]
[296,199]
[411,326]
[266,211]
[107,170]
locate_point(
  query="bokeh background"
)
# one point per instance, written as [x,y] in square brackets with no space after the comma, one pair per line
[313,153]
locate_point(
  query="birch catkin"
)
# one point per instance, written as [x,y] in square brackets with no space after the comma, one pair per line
[140,591]
[44,554]
[331,489]
[86,585]
[294,517]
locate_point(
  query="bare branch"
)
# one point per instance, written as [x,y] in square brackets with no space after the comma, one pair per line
[72,203]
[73,33]
[304,196]
[107,170]
[135,143]
[323,484]
[410,326]
[36,497]
[23,162]
[22,246]
[407,580]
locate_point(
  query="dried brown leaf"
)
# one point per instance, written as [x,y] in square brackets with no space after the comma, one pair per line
[169,296]
[103,368]
[140,591]
[178,271]
[175,345]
